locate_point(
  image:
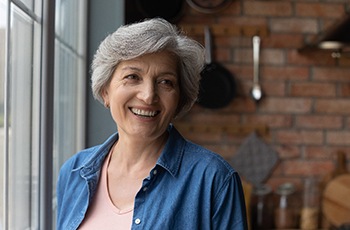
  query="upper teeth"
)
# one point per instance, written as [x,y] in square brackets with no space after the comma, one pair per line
[144,112]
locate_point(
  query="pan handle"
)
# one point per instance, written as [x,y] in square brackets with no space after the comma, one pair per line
[208,44]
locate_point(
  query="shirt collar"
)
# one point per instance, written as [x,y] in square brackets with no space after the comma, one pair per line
[171,156]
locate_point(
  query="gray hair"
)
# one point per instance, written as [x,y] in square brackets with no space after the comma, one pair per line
[150,36]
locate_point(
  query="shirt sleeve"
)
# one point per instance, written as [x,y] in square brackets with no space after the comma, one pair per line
[229,206]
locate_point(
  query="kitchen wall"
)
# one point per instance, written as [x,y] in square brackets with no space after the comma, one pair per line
[306,103]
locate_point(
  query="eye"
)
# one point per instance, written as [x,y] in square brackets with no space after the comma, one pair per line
[131,77]
[166,82]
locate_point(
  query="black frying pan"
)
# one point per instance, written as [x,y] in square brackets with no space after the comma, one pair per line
[217,86]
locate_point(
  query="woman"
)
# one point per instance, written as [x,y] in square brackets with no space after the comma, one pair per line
[147,176]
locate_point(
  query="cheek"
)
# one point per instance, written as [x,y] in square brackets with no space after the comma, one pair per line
[172,101]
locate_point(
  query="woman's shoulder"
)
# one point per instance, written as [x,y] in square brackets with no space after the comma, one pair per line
[194,154]
[80,158]
[90,156]
[204,155]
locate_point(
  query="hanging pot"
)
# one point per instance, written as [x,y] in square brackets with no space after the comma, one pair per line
[217,85]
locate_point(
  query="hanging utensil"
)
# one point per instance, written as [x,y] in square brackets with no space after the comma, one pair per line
[256,91]
[217,85]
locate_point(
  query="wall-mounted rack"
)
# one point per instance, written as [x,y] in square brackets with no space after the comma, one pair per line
[226,30]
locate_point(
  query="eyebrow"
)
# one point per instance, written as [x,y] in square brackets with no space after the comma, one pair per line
[175,74]
[131,68]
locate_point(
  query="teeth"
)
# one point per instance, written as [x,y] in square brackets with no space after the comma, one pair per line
[144,112]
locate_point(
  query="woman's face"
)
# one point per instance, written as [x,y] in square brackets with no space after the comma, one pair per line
[143,94]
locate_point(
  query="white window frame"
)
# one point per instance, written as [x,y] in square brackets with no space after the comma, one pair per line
[45,163]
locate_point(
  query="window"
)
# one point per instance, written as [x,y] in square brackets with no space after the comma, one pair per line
[21,119]
[70,81]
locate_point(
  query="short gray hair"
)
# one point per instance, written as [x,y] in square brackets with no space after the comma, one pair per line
[150,36]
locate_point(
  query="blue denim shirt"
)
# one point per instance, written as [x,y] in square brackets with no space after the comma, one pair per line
[190,188]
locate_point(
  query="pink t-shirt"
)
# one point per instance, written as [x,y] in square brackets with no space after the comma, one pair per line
[102,214]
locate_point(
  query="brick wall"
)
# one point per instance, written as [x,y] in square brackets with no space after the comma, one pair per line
[306,105]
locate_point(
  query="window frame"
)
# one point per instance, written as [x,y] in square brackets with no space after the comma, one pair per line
[41,133]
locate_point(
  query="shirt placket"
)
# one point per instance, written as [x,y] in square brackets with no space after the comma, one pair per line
[139,216]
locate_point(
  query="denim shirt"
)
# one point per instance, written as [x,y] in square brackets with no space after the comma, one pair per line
[189,188]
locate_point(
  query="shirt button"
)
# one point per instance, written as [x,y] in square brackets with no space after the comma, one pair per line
[137,221]
[155,172]
[145,189]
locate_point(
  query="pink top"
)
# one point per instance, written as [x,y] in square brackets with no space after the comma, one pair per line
[102,214]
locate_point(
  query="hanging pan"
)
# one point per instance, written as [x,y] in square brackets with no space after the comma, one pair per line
[217,85]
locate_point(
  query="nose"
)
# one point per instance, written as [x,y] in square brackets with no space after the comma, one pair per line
[148,92]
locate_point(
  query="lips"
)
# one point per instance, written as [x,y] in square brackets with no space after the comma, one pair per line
[144,113]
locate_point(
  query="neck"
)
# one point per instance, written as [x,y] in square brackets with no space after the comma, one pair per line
[135,156]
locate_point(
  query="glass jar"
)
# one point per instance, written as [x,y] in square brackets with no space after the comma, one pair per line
[285,211]
[311,205]
[261,208]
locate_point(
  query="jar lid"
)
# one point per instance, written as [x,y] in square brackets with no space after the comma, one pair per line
[262,190]
[286,189]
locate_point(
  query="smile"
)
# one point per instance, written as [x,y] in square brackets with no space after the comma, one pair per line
[144,113]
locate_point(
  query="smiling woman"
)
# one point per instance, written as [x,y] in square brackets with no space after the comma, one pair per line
[147,174]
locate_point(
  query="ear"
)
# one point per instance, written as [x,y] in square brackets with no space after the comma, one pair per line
[105,97]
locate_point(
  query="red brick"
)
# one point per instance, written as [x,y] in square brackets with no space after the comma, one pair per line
[310,58]
[318,9]
[278,73]
[333,106]
[302,168]
[283,41]
[230,42]
[272,56]
[299,137]
[243,105]
[347,123]
[243,20]
[242,72]
[318,152]
[273,88]
[327,152]
[319,122]
[338,138]
[222,55]
[286,105]
[273,121]
[331,74]
[267,56]
[294,25]
[312,89]
[262,8]
[344,60]
[205,116]
[287,151]
[345,90]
